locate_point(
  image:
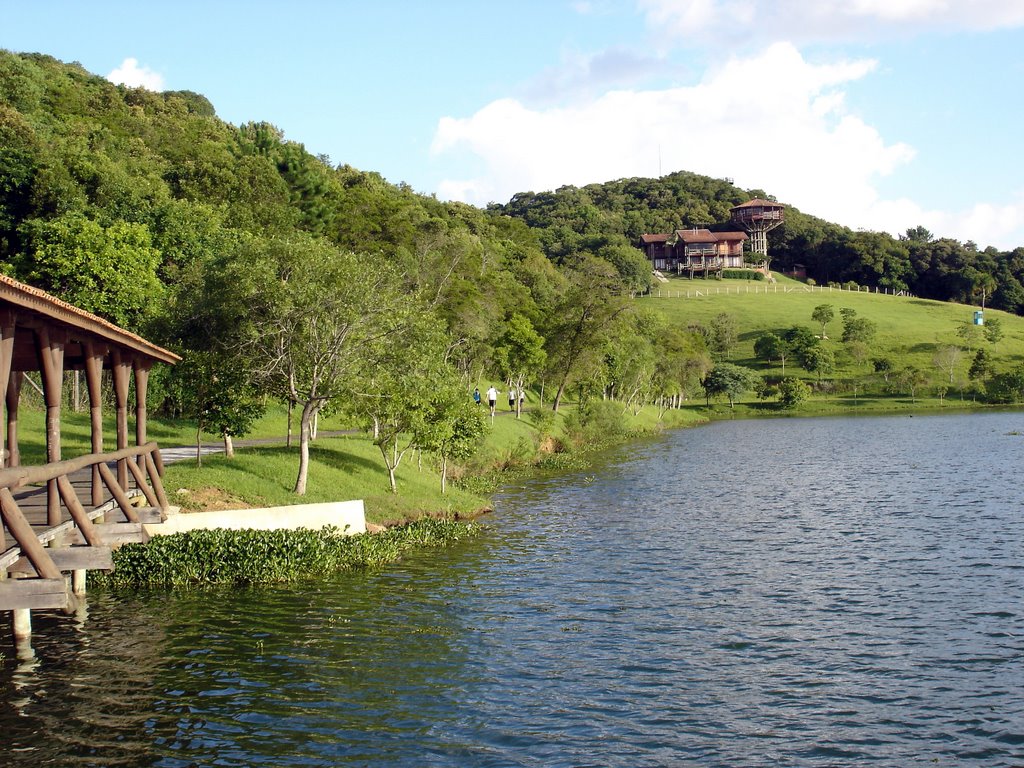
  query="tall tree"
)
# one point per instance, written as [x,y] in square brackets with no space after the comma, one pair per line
[730,380]
[823,313]
[590,305]
[319,317]
[519,354]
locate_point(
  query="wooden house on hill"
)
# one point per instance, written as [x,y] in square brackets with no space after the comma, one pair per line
[758,217]
[705,251]
[694,250]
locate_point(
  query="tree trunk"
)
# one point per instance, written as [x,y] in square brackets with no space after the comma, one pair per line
[199,443]
[288,439]
[392,465]
[444,474]
[229,446]
[558,395]
[305,425]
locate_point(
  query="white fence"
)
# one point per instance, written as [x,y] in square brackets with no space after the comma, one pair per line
[768,288]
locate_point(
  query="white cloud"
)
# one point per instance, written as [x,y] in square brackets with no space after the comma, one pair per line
[1001,226]
[132,75]
[721,22]
[774,122]
[792,139]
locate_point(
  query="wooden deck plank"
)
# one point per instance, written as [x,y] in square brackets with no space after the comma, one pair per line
[33,594]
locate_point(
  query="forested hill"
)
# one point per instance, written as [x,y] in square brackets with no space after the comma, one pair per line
[601,216]
[110,195]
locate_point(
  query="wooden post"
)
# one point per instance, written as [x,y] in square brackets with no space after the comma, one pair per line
[141,368]
[51,364]
[13,399]
[117,491]
[22,624]
[6,360]
[26,537]
[158,485]
[121,371]
[93,383]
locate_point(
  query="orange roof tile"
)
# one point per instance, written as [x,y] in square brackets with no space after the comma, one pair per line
[39,301]
[758,202]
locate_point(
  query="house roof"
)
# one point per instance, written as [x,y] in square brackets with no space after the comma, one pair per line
[758,202]
[22,298]
[653,238]
[707,236]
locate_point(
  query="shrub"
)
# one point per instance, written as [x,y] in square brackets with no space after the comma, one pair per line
[223,556]
[596,422]
[742,274]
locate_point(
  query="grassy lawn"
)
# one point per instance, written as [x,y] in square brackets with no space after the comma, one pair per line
[909,330]
[346,467]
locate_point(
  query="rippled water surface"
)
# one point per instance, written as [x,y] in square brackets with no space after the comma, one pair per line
[808,592]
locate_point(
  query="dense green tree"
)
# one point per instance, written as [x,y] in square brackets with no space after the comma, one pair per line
[582,317]
[519,354]
[858,329]
[452,426]
[730,381]
[110,271]
[1006,387]
[724,335]
[407,395]
[819,360]
[792,392]
[981,366]
[770,346]
[218,394]
[801,341]
[910,379]
[823,314]
[993,330]
[319,318]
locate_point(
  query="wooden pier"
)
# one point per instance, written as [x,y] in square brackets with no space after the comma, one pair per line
[62,518]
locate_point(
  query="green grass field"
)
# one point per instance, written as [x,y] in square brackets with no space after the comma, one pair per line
[910,330]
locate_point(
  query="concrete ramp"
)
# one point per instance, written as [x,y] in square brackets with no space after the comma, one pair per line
[346,516]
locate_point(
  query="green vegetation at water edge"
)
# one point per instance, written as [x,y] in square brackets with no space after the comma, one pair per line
[259,557]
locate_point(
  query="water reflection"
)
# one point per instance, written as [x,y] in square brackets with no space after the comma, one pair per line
[799,592]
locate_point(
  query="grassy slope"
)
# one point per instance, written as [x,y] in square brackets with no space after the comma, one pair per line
[909,330]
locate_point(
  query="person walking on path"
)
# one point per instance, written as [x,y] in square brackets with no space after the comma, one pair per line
[492,399]
[511,399]
[476,395]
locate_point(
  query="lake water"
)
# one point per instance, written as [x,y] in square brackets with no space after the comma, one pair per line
[799,592]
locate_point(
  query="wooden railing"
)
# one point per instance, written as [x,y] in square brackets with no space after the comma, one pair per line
[47,549]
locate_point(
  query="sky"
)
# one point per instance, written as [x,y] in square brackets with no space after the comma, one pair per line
[875,114]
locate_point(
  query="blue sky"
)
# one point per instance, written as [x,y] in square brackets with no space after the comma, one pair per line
[875,114]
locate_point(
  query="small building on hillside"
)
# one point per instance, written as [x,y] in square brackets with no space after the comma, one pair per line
[694,250]
[758,217]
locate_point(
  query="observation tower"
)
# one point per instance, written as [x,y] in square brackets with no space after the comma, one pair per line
[757,217]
